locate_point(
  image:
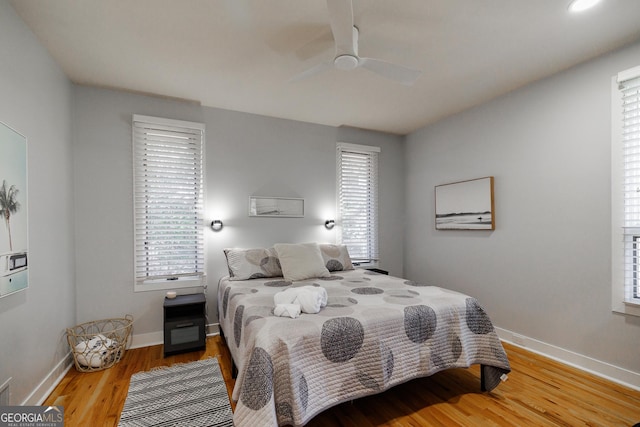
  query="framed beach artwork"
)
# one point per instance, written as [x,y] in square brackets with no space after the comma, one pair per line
[465,205]
[13,212]
[276,207]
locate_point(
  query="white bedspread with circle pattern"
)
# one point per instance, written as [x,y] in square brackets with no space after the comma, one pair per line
[375,332]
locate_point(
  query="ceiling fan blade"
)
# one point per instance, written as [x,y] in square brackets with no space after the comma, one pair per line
[399,73]
[314,48]
[317,69]
[341,19]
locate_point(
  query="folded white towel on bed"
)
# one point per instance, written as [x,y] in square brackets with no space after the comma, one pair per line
[287,310]
[311,299]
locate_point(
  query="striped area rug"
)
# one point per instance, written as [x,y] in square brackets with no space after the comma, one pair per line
[189,394]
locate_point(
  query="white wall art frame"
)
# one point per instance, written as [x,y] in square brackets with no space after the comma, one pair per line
[465,205]
[14,274]
[284,207]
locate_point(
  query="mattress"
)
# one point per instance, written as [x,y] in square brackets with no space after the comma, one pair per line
[376,331]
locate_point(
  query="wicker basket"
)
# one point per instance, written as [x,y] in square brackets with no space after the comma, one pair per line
[99,344]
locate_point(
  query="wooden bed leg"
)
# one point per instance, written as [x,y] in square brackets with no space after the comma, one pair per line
[482,379]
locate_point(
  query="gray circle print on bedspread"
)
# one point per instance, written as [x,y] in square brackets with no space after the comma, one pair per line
[420,323]
[258,383]
[341,338]
[477,320]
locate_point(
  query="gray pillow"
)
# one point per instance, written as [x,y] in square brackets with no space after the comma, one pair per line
[257,263]
[336,257]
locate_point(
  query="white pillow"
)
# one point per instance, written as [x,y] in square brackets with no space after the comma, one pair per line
[301,261]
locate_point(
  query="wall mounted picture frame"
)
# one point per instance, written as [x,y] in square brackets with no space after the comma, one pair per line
[14,274]
[283,207]
[465,205]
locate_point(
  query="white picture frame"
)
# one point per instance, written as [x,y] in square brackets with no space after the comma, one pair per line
[280,207]
[14,265]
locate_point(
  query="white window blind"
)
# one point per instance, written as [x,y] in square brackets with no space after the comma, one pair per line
[629,86]
[168,203]
[357,169]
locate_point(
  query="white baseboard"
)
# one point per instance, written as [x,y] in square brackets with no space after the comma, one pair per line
[50,381]
[596,367]
[213,329]
[147,340]
[157,338]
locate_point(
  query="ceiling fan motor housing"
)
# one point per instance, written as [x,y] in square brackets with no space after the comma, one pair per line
[345,62]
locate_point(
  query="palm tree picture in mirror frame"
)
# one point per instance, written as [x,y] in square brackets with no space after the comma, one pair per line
[13,212]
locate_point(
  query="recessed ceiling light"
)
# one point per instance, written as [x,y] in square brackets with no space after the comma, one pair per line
[580,5]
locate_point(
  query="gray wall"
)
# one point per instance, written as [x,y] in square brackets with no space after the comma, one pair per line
[36,102]
[545,272]
[245,155]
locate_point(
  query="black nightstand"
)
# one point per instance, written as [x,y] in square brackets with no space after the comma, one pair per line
[184,324]
[377,270]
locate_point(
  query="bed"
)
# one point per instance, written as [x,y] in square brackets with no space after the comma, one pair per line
[375,332]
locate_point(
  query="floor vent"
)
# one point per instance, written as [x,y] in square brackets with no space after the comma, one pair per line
[4,393]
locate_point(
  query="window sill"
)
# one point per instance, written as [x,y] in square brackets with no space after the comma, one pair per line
[365,265]
[163,284]
[630,308]
[377,270]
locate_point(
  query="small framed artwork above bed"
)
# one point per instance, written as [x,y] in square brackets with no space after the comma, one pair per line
[284,207]
[465,205]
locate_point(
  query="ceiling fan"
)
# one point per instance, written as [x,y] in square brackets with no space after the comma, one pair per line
[345,35]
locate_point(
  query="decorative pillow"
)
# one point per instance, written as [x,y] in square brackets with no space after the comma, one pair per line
[336,257]
[252,263]
[301,261]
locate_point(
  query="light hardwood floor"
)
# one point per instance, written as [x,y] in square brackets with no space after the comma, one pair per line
[539,392]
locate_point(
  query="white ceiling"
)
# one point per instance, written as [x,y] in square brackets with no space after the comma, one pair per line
[241,54]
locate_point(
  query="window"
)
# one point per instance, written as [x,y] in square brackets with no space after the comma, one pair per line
[357,170]
[168,203]
[626,191]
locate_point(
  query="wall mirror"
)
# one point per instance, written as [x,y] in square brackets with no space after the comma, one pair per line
[285,207]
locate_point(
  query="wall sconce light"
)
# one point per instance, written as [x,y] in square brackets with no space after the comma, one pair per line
[581,5]
[328,224]
[216,225]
